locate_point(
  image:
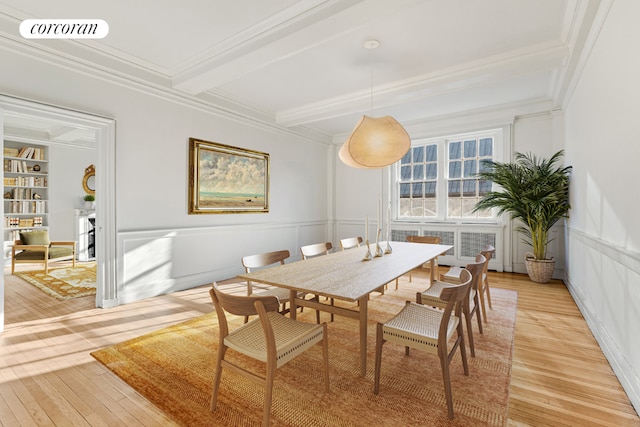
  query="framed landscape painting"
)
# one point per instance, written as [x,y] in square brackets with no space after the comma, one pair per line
[225,179]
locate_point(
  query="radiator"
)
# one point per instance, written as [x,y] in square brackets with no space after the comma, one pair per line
[467,241]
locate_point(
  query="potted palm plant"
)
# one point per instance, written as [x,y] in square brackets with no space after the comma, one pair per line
[534,191]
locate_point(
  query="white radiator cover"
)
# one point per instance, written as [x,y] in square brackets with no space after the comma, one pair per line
[467,241]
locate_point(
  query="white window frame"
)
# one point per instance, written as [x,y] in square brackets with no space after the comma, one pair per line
[501,139]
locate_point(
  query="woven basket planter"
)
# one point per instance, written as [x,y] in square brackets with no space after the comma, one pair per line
[539,270]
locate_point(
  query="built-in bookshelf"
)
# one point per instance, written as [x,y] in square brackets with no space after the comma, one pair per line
[25,190]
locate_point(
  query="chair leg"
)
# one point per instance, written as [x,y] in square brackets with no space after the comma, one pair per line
[477,310]
[378,364]
[216,379]
[446,378]
[268,392]
[484,307]
[487,288]
[463,351]
[467,318]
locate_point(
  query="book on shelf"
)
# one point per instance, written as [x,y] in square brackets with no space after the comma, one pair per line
[10,152]
[26,152]
[15,222]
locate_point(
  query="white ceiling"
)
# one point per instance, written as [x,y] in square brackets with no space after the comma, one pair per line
[303,64]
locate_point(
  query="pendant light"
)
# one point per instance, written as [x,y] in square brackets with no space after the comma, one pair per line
[375,142]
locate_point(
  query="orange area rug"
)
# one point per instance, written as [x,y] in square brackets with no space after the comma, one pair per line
[173,368]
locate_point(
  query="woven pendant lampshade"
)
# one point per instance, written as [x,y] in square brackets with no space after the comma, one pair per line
[375,142]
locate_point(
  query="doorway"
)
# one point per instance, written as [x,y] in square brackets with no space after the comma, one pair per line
[29,120]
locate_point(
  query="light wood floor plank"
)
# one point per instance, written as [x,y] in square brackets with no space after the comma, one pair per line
[47,377]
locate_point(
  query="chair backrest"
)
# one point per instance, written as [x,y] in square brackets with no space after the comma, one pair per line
[239,305]
[265,259]
[476,268]
[316,249]
[435,240]
[487,252]
[455,295]
[350,242]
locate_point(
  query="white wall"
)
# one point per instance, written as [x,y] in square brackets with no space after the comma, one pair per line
[357,190]
[602,143]
[152,131]
[66,170]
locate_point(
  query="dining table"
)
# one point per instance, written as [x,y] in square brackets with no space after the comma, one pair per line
[347,276]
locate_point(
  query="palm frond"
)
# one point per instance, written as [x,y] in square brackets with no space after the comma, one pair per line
[533,190]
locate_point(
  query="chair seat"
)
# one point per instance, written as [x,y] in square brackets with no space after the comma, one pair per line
[283,294]
[418,324]
[431,296]
[291,337]
[452,276]
[37,254]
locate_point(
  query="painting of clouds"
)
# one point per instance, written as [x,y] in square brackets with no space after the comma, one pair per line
[230,179]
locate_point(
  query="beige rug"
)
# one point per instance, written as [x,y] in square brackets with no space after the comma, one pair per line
[64,283]
[173,368]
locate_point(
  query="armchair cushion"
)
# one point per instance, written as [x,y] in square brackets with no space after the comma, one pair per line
[38,255]
[35,237]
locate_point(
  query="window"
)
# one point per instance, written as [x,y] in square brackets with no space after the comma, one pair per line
[436,179]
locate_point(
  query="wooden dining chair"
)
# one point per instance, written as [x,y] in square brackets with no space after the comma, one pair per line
[271,338]
[429,329]
[471,306]
[264,260]
[434,240]
[483,287]
[314,250]
[350,242]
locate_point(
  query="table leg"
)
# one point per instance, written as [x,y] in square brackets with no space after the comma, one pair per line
[292,304]
[363,334]
[432,266]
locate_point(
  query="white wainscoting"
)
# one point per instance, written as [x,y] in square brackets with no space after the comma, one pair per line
[157,262]
[604,281]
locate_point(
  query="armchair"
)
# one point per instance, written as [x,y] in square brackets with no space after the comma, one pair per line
[34,247]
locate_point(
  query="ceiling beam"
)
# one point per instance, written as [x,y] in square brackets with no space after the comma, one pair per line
[295,30]
[454,79]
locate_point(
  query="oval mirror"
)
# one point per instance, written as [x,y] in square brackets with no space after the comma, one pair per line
[89,180]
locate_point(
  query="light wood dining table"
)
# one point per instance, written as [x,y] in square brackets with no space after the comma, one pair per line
[345,276]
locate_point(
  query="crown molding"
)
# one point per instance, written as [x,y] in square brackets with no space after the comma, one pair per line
[158,87]
[584,21]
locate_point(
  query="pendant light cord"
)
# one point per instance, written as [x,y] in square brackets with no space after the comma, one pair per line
[371,77]
[371,45]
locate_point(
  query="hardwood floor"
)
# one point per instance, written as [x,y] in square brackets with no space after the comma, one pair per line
[47,377]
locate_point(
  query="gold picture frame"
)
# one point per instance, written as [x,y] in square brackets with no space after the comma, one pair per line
[225,179]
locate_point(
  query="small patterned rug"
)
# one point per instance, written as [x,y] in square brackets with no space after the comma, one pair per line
[64,283]
[173,368]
